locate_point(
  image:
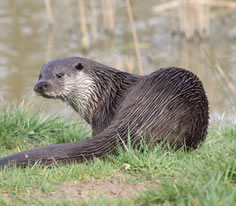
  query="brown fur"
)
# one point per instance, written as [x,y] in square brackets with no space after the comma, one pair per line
[170,103]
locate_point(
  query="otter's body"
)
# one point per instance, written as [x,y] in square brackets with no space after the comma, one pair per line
[168,104]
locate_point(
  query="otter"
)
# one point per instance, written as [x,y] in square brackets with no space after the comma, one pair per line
[169,104]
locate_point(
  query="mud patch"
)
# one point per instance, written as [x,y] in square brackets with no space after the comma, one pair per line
[109,188]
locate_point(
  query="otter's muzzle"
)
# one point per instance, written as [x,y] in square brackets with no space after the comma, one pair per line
[41,87]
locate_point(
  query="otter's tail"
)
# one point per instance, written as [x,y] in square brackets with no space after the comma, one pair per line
[62,153]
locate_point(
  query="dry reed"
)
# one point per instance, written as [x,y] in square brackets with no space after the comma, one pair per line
[227,80]
[135,37]
[83,24]
[130,63]
[47,4]
[193,16]
[94,21]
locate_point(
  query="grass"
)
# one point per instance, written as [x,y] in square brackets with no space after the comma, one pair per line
[206,176]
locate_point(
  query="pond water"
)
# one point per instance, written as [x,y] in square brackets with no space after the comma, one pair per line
[101,30]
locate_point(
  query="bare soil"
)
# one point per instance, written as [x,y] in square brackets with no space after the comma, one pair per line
[109,188]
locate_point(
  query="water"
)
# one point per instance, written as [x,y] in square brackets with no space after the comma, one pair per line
[27,42]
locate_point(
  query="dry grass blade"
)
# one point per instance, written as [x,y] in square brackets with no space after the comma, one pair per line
[111,21]
[83,24]
[229,4]
[49,51]
[230,85]
[130,63]
[194,16]
[166,6]
[135,37]
[48,7]
[104,14]
[94,21]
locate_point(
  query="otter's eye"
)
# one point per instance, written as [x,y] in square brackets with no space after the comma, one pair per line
[79,66]
[40,76]
[59,75]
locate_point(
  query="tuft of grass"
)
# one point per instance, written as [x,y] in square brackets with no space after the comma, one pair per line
[20,128]
[206,176]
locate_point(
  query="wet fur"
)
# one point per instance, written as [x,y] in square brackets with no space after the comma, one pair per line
[170,103]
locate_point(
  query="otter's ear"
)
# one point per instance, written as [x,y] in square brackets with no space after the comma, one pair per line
[79,66]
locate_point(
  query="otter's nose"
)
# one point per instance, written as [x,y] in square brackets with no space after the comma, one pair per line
[40,87]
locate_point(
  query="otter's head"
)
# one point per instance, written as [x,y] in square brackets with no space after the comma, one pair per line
[56,75]
[66,79]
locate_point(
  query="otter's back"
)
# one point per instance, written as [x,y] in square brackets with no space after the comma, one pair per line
[169,103]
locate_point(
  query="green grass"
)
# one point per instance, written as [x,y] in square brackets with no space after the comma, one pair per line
[206,176]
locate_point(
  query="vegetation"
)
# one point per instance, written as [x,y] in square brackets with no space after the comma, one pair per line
[206,176]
